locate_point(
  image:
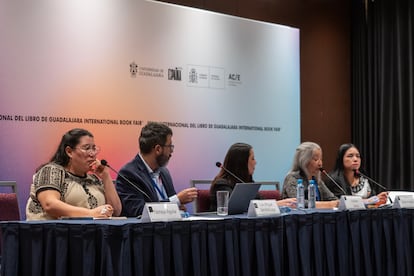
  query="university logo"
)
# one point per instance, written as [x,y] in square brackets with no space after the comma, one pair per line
[133,69]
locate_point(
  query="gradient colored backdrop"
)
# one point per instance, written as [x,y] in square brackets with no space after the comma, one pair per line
[112,66]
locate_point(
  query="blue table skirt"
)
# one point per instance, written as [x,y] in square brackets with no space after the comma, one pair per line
[368,242]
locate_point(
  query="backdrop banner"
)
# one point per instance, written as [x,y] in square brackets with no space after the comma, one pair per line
[112,66]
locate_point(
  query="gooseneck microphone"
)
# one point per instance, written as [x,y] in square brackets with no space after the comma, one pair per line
[333,181]
[218,164]
[357,173]
[105,163]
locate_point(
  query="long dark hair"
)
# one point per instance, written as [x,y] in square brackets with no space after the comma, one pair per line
[339,163]
[71,139]
[236,161]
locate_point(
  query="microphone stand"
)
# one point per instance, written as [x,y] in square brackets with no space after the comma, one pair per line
[333,181]
[357,172]
[218,164]
[105,163]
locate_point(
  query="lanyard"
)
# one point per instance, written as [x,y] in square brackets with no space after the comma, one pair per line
[155,184]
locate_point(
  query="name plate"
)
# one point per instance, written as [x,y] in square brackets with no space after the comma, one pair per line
[160,211]
[403,201]
[351,203]
[263,208]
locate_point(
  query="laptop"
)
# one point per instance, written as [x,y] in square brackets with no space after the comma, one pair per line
[240,197]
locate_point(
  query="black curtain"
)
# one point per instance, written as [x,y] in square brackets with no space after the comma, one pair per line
[383,88]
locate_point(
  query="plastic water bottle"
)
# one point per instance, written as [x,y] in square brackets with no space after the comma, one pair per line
[300,194]
[311,194]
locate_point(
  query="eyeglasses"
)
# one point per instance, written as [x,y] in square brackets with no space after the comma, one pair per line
[169,146]
[90,149]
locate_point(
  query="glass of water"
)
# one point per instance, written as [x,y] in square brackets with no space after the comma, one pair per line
[222,203]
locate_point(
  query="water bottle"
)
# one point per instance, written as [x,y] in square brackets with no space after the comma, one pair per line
[300,194]
[311,194]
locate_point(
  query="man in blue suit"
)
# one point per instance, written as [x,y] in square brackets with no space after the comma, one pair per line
[147,178]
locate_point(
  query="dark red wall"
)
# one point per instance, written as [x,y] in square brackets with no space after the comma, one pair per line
[325,60]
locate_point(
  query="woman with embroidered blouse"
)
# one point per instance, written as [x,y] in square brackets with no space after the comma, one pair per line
[74,183]
[345,173]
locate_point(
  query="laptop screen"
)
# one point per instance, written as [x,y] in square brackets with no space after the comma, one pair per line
[240,197]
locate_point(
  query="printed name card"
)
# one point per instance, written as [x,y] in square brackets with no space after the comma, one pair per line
[351,203]
[403,201]
[160,211]
[263,208]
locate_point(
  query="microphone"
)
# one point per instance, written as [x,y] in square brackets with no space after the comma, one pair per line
[357,173]
[331,178]
[218,164]
[105,163]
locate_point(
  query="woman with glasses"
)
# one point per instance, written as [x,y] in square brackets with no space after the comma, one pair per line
[74,183]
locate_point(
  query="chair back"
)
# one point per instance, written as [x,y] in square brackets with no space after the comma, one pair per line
[270,194]
[11,184]
[270,190]
[202,202]
[9,206]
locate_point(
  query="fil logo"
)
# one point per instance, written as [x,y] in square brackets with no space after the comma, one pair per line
[174,74]
[192,76]
[133,69]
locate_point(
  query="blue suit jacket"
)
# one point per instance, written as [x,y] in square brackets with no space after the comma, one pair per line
[132,199]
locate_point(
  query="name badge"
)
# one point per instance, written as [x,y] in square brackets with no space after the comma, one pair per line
[351,203]
[263,208]
[403,201]
[160,211]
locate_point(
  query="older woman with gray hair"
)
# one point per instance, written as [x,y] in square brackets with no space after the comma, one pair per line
[306,166]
